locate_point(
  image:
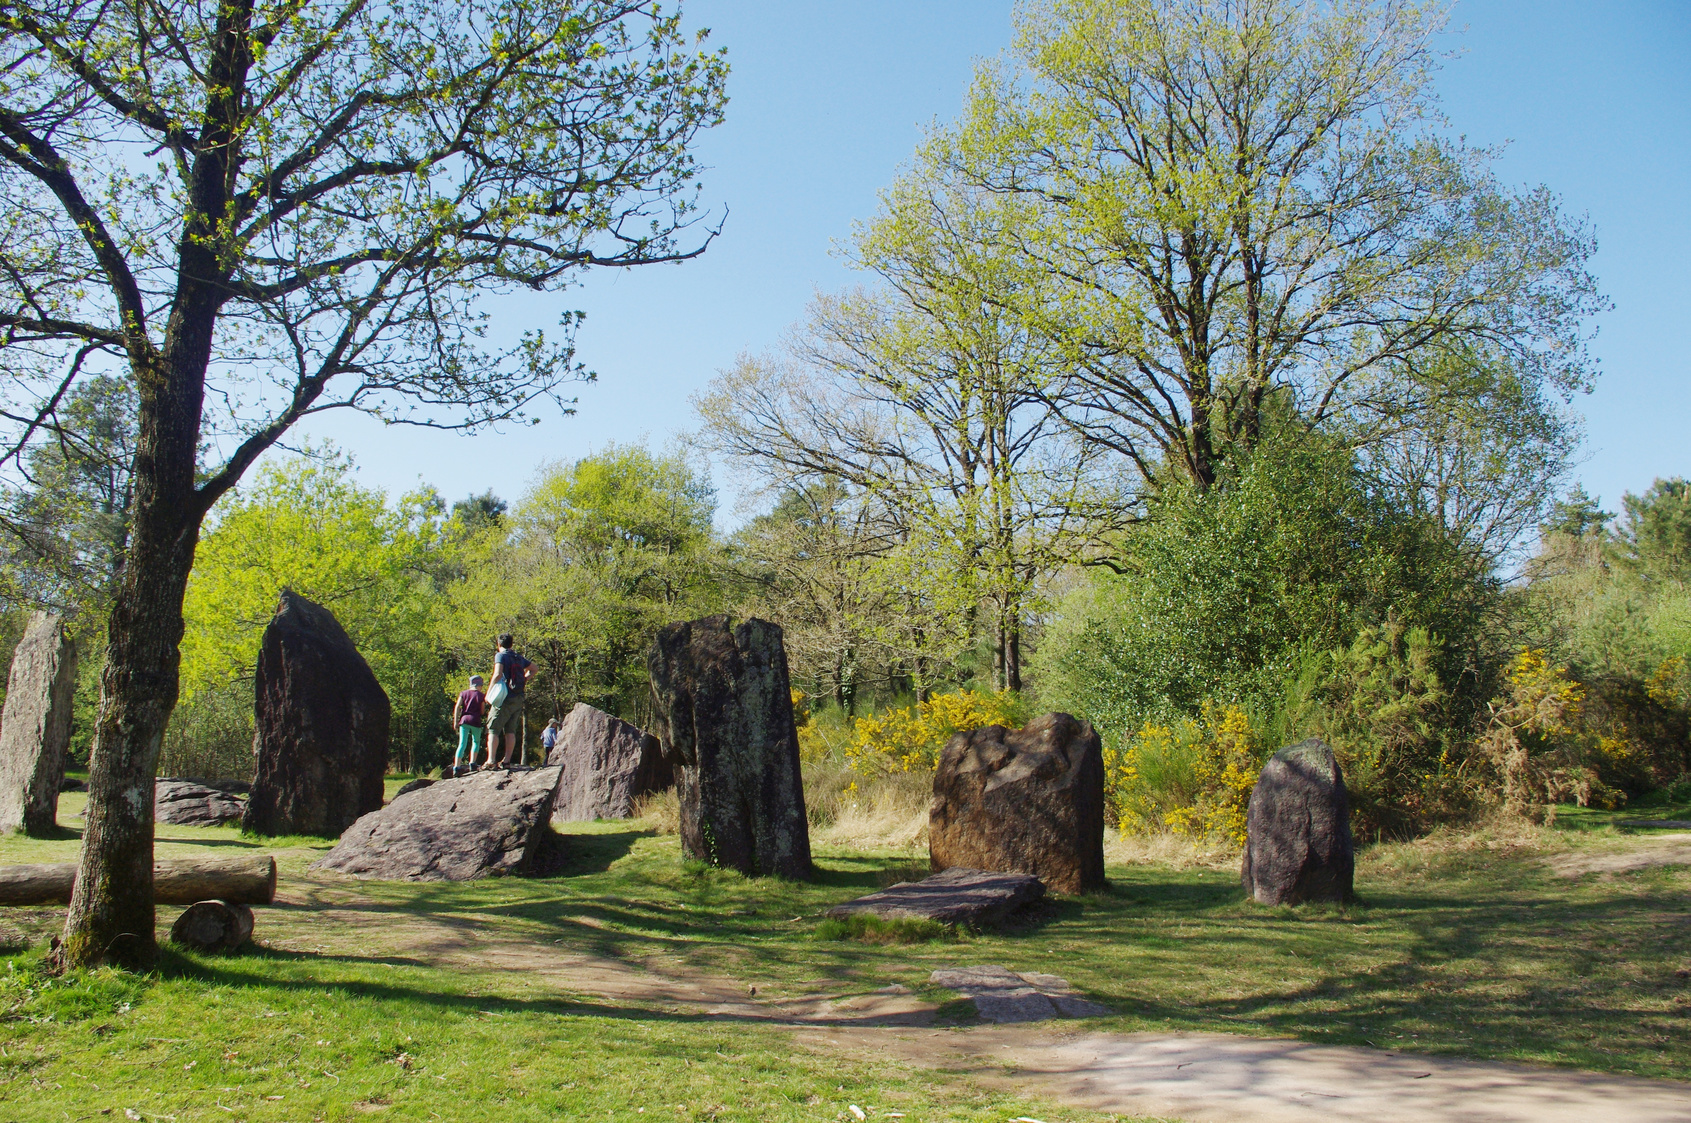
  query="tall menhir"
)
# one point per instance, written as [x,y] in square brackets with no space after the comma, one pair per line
[725,716]
[35,728]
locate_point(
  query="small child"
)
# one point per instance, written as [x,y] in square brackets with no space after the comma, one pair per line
[467,716]
[549,738]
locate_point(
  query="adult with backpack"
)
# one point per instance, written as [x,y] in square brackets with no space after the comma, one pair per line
[511,673]
[467,715]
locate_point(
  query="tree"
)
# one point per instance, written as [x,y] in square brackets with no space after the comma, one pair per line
[254,213]
[69,522]
[936,403]
[596,557]
[1219,206]
[378,566]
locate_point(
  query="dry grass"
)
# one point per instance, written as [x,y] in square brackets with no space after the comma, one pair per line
[1165,849]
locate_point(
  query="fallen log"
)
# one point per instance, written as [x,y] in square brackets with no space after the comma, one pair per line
[213,926]
[245,880]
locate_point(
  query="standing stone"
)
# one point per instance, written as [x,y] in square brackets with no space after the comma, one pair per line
[725,717]
[322,718]
[1297,830]
[35,727]
[1023,801]
[607,765]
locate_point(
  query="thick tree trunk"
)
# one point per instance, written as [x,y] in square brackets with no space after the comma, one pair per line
[111,914]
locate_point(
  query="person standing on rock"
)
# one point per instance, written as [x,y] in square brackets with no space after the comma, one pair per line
[549,739]
[467,715]
[506,717]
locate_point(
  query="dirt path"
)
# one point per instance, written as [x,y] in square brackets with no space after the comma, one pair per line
[1199,1077]
[1652,850]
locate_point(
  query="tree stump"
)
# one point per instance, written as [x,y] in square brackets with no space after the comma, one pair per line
[213,926]
[35,728]
[725,717]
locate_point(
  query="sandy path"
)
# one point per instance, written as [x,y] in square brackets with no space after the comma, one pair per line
[1651,850]
[1199,1077]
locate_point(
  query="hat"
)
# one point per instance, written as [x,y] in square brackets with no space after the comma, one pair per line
[475,680]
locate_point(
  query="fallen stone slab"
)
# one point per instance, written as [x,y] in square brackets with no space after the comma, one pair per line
[954,896]
[184,803]
[482,825]
[416,785]
[1001,995]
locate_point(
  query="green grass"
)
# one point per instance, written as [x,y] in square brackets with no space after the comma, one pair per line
[1467,945]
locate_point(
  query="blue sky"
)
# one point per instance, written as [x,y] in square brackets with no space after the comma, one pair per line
[829,98]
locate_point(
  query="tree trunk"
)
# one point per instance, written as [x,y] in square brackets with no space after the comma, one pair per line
[111,913]
[1013,656]
[247,880]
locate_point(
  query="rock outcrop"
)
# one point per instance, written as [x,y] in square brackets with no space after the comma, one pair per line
[1022,801]
[322,718]
[481,825]
[1298,844]
[607,764]
[725,717]
[184,803]
[35,727]
[957,896]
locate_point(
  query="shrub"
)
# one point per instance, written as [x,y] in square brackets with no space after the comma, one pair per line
[1192,776]
[1538,744]
[909,738]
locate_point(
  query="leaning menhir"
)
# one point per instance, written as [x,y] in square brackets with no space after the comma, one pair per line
[725,717]
[35,728]
[1298,844]
[322,740]
[1029,800]
[607,765]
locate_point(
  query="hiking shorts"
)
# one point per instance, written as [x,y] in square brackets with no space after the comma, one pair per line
[506,717]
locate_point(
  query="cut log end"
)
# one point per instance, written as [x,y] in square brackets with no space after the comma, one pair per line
[213,926]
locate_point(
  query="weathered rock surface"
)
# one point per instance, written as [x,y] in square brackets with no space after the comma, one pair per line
[184,803]
[607,764]
[416,785]
[1001,995]
[1298,843]
[35,727]
[322,739]
[480,825]
[725,717]
[1022,801]
[956,896]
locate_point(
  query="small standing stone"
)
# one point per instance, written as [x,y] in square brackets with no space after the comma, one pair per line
[607,764]
[322,718]
[1023,801]
[725,717]
[35,727]
[1298,844]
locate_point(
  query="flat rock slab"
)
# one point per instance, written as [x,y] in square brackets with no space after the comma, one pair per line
[1659,824]
[1001,995]
[183,803]
[955,896]
[481,825]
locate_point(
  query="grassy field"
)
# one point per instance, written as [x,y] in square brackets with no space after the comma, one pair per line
[1470,944]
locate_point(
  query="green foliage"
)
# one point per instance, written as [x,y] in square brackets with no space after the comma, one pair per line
[595,557]
[1224,589]
[305,524]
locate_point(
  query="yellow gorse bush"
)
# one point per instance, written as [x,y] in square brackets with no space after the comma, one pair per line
[1205,768]
[908,739]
